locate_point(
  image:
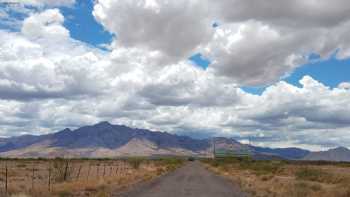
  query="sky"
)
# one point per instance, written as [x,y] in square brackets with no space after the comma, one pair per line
[275,72]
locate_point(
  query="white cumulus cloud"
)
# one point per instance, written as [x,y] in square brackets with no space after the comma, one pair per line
[49,80]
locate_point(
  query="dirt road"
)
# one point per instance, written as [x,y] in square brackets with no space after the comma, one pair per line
[191,180]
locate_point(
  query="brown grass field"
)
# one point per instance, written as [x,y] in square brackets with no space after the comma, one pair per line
[285,178]
[79,177]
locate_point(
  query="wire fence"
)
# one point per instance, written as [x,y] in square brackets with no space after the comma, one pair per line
[31,175]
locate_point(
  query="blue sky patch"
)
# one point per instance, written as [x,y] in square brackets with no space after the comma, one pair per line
[314,57]
[11,15]
[329,72]
[254,90]
[83,26]
[200,61]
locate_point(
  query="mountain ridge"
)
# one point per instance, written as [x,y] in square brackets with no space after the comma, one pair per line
[335,154]
[101,137]
[107,140]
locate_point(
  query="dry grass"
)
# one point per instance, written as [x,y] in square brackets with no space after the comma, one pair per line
[77,177]
[286,179]
[319,175]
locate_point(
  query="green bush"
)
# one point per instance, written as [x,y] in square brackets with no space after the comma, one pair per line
[171,163]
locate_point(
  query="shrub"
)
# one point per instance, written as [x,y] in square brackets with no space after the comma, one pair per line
[266,177]
[21,165]
[261,167]
[19,195]
[318,175]
[135,162]
[102,194]
[65,194]
[171,163]
[301,189]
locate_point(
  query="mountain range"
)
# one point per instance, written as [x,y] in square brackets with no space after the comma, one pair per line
[107,140]
[336,154]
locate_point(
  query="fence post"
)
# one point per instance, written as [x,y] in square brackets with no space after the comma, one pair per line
[79,172]
[6,179]
[98,170]
[65,172]
[33,178]
[49,178]
[122,169]
[104,170]
[88,173]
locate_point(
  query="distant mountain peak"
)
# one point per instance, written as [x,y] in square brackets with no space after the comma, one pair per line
[335,149]
[340,148]
[103,123]
[63,132]
[66,130]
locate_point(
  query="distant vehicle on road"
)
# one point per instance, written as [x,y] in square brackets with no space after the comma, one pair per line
[191,159]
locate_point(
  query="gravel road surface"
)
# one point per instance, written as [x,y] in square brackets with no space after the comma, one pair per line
[191,180]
